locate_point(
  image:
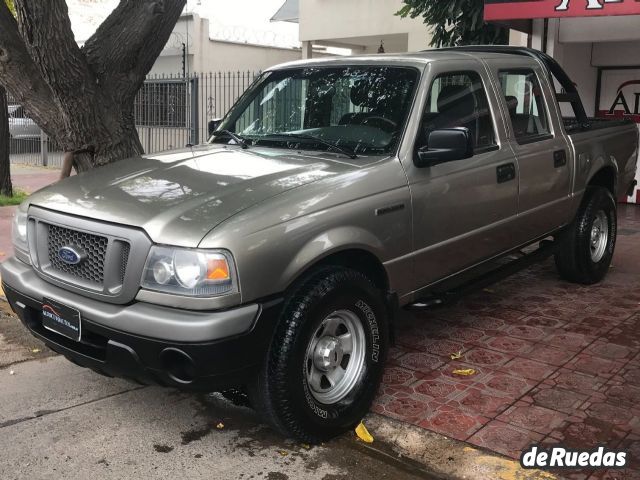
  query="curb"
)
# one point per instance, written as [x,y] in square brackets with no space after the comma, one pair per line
[445,457]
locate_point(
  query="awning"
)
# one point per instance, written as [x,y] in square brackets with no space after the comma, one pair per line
[527,9]
[288,12]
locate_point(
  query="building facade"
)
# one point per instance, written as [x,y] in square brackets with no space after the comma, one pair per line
[361,26]
[191,40]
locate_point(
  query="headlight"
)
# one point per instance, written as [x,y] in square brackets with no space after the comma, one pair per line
[183,271]
[19,231]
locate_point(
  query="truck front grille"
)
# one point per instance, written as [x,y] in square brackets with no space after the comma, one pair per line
[124,259]
[112,255]
[95,246]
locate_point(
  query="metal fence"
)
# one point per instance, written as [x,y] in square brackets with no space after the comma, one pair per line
[170,112]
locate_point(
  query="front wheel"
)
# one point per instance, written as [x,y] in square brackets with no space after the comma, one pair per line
[586,248]
[326,358]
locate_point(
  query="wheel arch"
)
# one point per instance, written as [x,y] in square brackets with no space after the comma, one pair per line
[606,177]
[363,260]
[358,258]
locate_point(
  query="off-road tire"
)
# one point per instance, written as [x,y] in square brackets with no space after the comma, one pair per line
[574,259]
[281,393]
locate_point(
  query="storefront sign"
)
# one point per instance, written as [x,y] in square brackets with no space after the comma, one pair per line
[619,93]
[618,96]
[526,9]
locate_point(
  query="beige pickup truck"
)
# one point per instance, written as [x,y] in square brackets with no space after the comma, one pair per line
[336,191]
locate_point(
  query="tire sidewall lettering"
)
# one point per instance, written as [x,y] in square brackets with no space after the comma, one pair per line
[374,330]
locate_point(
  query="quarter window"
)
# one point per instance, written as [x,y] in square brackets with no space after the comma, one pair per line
[525,102]
[459,100]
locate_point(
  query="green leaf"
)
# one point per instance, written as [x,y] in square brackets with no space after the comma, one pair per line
[455,22]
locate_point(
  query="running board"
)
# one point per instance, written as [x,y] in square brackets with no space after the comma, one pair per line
[441,297]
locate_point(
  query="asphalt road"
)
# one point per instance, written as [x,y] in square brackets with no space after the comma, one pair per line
[58,420]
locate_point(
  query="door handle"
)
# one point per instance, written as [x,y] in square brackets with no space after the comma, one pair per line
[559,158]
[506,172]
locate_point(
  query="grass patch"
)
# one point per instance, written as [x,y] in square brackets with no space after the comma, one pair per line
[18,197]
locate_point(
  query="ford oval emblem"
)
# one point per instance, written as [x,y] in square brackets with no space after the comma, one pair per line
[71,255]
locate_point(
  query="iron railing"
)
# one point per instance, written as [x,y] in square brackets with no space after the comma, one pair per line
[170,112]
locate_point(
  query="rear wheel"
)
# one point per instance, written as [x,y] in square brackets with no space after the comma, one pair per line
[326,358]
[586,248]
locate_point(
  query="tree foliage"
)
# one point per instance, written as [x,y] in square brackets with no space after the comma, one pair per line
[83,97]
[455,22]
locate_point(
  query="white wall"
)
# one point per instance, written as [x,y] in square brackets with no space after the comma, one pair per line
[600,29]
[346,20]
[206,55]
[224,56]
[576,61]
[617,53]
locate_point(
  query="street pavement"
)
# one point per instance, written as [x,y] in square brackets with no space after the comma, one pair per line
[58,420]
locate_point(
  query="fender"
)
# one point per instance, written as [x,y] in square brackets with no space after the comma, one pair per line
[592,167]
[332,241]
[602,162]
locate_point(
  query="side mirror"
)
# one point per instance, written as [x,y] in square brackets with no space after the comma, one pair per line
[213,125]
[445,145]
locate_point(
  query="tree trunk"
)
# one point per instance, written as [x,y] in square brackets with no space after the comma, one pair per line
[98,143]
[83,97]
[5,140]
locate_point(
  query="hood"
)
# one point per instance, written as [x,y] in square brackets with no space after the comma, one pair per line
[178,197]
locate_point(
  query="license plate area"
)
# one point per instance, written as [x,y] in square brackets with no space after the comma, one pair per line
[61,319]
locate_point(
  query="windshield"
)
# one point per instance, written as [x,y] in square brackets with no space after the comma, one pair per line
[358,108]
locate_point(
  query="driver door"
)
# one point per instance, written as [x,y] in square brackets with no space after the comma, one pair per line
[462,210]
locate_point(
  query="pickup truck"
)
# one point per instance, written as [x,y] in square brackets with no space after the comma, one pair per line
[336,191]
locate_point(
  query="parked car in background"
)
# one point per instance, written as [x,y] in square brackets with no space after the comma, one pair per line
[20,125]
[333,193]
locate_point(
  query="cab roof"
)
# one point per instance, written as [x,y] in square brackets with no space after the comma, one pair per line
[419,59]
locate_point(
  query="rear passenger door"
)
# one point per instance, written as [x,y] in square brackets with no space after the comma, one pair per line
[462,210]
[538,142]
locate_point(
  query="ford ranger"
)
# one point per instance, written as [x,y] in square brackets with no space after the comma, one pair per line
[333,193]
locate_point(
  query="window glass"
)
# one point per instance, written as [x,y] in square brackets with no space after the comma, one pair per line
[525,102]
[361,108]
[459,100]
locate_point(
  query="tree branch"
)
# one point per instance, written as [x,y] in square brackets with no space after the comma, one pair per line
[127,44]
[22,78]
[46,31]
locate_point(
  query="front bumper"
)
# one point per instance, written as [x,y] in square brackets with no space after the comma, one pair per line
[144,341]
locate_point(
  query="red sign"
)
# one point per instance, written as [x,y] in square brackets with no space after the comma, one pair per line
[525,9]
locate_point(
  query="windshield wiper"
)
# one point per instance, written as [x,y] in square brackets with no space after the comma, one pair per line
[301,136]
[235,137]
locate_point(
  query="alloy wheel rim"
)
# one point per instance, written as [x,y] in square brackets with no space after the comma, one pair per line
[335,358]
[599,236]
